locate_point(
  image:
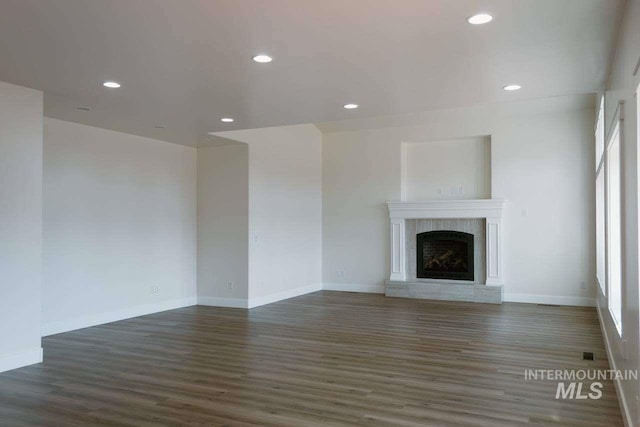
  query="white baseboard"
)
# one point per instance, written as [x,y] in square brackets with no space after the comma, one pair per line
[354,287]
[550,299]
[113,316]
[624,407]
[279,296]
[223,302]
[20,360]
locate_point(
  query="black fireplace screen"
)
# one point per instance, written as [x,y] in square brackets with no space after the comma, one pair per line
[445,255]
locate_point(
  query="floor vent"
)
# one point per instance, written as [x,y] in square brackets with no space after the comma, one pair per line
[587,356]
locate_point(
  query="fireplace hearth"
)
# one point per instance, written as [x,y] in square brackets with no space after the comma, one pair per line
[445,255]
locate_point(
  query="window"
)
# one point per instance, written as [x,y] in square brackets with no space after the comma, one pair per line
[614,235]
[600,200]
[600,227]
[600,134]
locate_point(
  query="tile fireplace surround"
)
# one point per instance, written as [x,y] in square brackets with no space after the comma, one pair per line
[487,286]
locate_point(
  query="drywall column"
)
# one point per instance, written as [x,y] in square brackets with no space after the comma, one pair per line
[20,226]
[223,226]
[285,211]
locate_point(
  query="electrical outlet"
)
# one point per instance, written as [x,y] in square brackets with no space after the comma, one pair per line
[583,285]
[340,273]
[230,285]
[155,290]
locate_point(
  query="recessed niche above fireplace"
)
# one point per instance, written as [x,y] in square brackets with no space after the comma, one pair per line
[445,255]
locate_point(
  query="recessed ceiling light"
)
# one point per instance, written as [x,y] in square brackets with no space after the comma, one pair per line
[226,120]
[111,85]
[262,58]
[351,106]
[479,19]
[512,87]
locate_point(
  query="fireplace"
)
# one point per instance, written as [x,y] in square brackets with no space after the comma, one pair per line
[412,222]
[445,255]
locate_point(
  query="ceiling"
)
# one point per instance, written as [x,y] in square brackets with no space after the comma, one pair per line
[185,64]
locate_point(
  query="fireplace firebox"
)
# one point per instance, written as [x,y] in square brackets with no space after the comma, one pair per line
[445,255]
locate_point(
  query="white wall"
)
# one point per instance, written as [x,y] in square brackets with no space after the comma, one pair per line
[542,156]
[223,225]
[361,170]
[542,165]
[621,87]
[285,208]
[119,220]
[452,169]
[20,225]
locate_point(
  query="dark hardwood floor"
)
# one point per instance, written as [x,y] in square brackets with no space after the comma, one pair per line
[327,358]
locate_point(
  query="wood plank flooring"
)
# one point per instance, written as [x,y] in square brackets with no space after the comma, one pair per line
[327,358]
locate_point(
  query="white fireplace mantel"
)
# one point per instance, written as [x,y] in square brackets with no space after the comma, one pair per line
[489,209]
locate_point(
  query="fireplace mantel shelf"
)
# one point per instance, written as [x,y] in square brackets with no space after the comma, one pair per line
[478,208]
[489,209]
